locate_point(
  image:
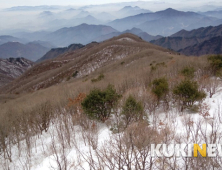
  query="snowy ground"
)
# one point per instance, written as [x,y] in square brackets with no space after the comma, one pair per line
[47,149]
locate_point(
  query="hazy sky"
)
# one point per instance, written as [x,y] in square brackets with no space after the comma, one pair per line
[10,3]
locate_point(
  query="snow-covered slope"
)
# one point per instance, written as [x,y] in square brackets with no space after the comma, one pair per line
[12,68]
[73,147]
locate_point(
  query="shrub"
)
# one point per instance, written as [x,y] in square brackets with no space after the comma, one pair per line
[75,74]
[99,104]
[41,116]
[216,64]
[132,110]
[160,87]
[153,68]
[99,78]
[188,72]
[187,93]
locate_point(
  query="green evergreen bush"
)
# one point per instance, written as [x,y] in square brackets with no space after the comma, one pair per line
[216,64]
[75,74]
[132,110]
[99,103]
[99,78]
[187,93]
[160,87]
[188,72]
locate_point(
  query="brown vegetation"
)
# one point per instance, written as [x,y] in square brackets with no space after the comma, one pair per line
[27,115]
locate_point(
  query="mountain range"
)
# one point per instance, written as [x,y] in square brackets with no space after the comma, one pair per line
[7,38]
[82,34]
[216,13]
[165,22]
[31,36]
[85,34]
[75,21]
[136,31]
[130,11]
[202,41]
[211,46]
[55,52]
[109,54]
[58,51]
[31,51]
[146,25]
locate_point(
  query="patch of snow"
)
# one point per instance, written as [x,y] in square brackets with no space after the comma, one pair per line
[43,158]
[126,39]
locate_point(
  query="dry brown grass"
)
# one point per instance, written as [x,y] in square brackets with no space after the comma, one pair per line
[129,75]
[135,72]
[93,56]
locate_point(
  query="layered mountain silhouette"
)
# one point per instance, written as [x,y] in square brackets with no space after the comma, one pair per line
[176,43]
[217,13]
[46,14]
[198,42]
[104,16]
[143,23]
[55,52]
[31,51]
[200,32]
[144,35]
[31,36]
[107,55]
[82,34]
[136,31]
[164,22]
[75,21]
[7,38]
[130,11]
[211,46]
[44,44]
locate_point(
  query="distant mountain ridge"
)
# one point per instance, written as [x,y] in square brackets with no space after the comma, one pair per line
[31,36]
[87,60]
[130,11]
[164,22]
[211,46]
[75,21]
[200,32]
[136,31]
[176,43]
[82,34]
[30,51]
[44,44]
[217,13]
[12,68]
[7,38]
[198,42]
[55,52]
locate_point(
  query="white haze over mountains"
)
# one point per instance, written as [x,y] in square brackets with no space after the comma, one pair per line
[10,3]
[17,17]
[22,17]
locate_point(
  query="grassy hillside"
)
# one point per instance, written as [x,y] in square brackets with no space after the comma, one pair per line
[46,101]
[93,57]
